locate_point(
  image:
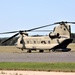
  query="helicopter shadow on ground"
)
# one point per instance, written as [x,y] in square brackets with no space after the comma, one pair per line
[68,50]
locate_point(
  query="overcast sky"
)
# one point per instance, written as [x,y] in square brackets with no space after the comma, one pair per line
[27,14]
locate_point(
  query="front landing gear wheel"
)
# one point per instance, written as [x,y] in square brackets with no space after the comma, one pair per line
[29,51]
[41,51]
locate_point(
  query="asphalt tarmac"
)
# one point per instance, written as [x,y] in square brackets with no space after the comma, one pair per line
[38,57]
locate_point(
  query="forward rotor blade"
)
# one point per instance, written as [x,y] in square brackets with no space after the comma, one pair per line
[42,31]
[9,38]
[39,27]
[9,32]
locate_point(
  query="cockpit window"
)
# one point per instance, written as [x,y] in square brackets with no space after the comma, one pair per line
[54,29]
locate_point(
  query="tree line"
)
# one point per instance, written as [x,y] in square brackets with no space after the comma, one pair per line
[14,40]
[8,43]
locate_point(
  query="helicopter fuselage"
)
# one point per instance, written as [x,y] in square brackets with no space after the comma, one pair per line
[58,39]
[39,42]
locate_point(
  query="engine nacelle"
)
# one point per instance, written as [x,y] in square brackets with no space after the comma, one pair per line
[53,36]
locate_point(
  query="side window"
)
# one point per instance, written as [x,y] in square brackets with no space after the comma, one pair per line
[43,42]
[27,42]
[30,42]
[34,42]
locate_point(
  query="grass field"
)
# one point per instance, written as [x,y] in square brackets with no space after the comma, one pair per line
[9,49]
[13,49]
[64,67]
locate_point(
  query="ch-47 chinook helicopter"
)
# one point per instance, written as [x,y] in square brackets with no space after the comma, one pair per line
[59,39]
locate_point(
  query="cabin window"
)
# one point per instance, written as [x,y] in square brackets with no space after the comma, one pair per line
[34,41]
[48,42]
[43,42]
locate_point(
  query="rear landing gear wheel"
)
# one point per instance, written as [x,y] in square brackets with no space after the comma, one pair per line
[53,50]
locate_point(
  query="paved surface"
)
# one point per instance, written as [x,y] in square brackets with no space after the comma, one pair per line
[38,57]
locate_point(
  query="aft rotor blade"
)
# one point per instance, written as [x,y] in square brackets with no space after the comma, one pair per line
[9,32]
[39,27]
[64,22]
[71,22]
[9,38]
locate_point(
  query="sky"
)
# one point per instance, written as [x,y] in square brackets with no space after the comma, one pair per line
[26,14]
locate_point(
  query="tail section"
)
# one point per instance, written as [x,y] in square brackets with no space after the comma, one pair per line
[63,30]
